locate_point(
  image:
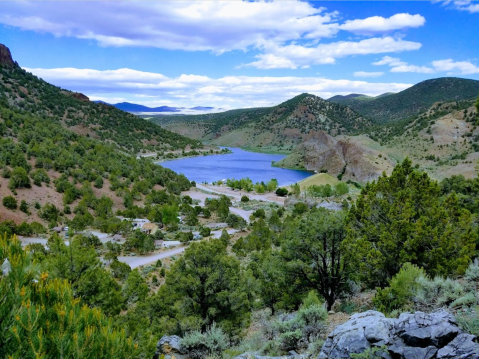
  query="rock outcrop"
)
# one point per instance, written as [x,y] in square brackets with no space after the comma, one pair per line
[344,155]
[411,336]
[169,346]
[79,96]
[6,57]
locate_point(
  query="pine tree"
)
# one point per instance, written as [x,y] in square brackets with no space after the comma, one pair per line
[402,218]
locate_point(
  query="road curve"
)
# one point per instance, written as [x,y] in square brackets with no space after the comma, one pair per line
[135,262]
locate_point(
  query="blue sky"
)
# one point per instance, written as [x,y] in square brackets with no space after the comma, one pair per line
[240,54]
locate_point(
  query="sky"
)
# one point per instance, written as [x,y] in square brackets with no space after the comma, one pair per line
[236,54]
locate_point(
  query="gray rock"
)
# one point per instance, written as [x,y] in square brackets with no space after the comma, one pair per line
[411,336]
[168,345]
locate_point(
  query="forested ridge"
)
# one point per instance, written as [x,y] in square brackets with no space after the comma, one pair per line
[280,126]
[31,95]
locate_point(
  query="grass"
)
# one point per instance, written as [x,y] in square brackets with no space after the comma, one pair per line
[318,179]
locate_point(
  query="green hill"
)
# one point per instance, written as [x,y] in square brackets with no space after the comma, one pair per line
[414,100]
[274,128]
[64,159]
[74,111]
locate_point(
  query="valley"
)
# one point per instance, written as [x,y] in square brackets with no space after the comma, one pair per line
[269,230]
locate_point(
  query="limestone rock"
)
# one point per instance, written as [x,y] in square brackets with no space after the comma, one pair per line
[411,336]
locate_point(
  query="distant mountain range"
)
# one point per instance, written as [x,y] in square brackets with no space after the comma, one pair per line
[135,108]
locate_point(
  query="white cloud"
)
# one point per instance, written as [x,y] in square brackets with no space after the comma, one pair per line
[462,67]
[388,60]
[274,28]
[448,65]
[217,26]
[413,68]
[400,66]
[465,5]
[192,90]
[293,56]
[381,24]
[368,74]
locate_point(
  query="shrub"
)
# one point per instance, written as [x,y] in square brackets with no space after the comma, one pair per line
[400,291]
[468,320]
[281,192]
[10,202]
[19,179]
[200,345]
[24,207]
[439,292]
[244,198]
[205,231]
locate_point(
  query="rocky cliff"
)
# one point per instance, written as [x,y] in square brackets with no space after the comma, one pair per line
[346,155]
[6,57]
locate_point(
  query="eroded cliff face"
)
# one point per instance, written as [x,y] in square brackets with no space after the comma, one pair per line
[344,155]
[6,57]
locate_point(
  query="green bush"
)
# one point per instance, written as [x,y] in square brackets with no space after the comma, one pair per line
[468,320]
[201,345]
[244,198]
[10,202]
[400,291]
[281,192]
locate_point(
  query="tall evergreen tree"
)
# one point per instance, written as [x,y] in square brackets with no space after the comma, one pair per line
[402,218]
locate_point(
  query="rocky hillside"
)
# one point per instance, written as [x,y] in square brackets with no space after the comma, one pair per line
[64,158]
[414,100]
[6,59]
[278,128]
[74,111]
[345,156]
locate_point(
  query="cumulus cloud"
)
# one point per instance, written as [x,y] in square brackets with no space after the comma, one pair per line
[294,56]
[380,24]
[400,66]
[368,74]
[449,65]
[227,92]
[274,28]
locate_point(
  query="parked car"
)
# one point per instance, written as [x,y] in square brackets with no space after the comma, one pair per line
[65,229]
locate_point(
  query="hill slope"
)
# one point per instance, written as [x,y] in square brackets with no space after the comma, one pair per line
[344,156]
[58,150]
[277,128]
[74,111]
[413,100]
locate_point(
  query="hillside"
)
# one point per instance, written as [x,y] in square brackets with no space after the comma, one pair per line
[342,156]
[414,100]
[75,111]
[74,167]
[277,128]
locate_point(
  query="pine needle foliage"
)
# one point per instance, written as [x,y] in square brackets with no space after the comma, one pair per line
[40,317]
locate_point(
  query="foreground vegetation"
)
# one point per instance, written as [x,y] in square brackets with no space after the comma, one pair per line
[407,238]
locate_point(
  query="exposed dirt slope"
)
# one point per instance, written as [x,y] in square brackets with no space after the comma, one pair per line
[342,155]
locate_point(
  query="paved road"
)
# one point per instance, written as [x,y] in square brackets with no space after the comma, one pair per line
[137,261]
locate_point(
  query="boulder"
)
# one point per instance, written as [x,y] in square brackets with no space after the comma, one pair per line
[168,345]
[411,336]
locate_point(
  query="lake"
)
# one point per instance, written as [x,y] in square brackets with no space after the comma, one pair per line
[239,164]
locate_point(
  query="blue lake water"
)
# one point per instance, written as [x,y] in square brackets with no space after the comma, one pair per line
[239,164]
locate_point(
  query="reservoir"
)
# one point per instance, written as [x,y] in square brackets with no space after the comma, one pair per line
[239,164]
